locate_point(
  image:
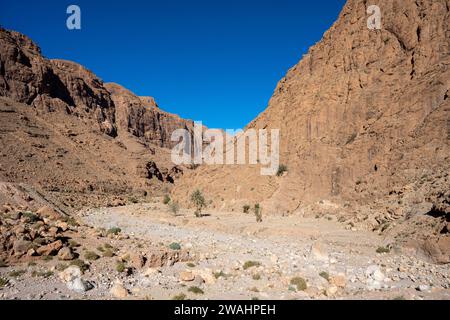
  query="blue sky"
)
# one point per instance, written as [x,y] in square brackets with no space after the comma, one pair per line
[214,61]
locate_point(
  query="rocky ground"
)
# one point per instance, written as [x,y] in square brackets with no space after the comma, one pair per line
[144,251]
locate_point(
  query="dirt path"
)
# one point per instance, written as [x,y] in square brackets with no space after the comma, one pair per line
[283,247]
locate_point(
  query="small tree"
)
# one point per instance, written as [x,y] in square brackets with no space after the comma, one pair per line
[258,212]
[199,202]
[174,207]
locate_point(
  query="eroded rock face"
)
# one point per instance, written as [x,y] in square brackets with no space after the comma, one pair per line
[363,118]
[141,117]
[52,85]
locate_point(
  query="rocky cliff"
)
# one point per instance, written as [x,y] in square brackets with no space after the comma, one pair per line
[364,120]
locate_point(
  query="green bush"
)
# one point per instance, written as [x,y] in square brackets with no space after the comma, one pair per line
[299,283]
[199,202]
[251,264]
[114,231]
[383,250]
[281,170]
[166,199]
[121,266]
[175,246]
[91,256]
[196,290]
[180,296]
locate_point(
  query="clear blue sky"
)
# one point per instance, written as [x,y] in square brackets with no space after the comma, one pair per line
[212,60]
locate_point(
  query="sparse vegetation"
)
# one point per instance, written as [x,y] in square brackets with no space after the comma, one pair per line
[114,231]
[108,253]
[219,274]
[246,208]
[133,200]
[3,282]
[47,258]
[258,213]
[383,250]
[190,265]
[166,199]
[180,296]
[17,273]
[256,276]
[91,256]
[43,274]
[281,170]
[121,266]
[175,246]
[3,264]
[199,202]
[325,275]
[31,264]
[251,264]
[80,264]
[196,290]
[299,283]
[73,244]
[30,216]
[174,207]
[61,266]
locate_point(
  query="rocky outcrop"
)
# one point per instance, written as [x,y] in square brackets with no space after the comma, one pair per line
[142,117]
[52,85]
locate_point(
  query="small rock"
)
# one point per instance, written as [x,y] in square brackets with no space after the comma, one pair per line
[79,285]
[423,288]
[119,291]
[187,276]
[66,254]
[50,249]
[70,274]
[318,252]
[339,281]
[331,291]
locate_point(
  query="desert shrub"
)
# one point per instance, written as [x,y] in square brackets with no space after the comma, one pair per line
[114,230]
[258,212]
[91,256]
[108,253]
[190,265]
[121,266]
[281,170]
[3,264]
[47,258]
[17,273]
[30,216]
[299,283]
[80,264]
[73,244]
[133,200]
[246,208]
[196,290]
[166,199]
[180,296]
[175,246]
[325,275]
[251,264]
[383,250]
[3,282]
[174,207]
[61,266]
[42,274]
[199,202]
[100,249]
[219,274]
[256,276]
